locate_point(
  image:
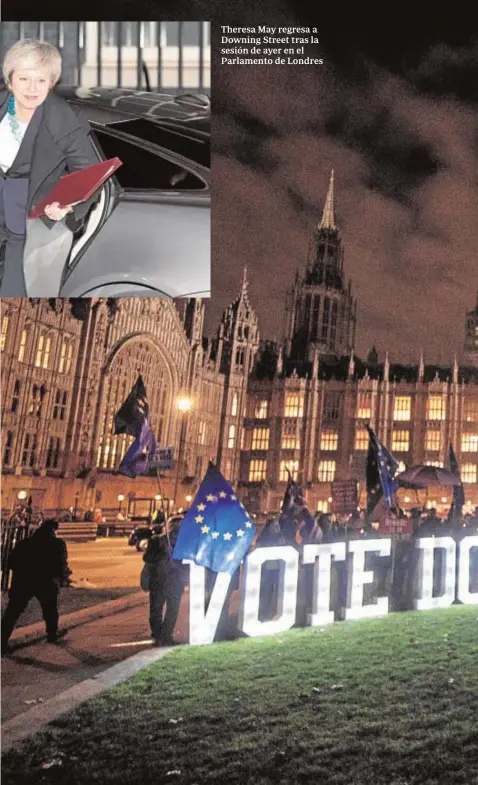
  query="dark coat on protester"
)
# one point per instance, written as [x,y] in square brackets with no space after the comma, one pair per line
[39,560]
[157,556]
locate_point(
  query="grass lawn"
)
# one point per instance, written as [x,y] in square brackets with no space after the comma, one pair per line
[391,701]
[71,599]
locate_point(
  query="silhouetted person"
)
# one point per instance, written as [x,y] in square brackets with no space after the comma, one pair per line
[166,584]
[39,566]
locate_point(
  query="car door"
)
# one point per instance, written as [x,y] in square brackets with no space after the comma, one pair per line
[153,234]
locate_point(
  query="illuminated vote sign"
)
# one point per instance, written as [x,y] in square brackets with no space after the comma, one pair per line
[440,559]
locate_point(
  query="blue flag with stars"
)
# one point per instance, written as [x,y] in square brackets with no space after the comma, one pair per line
[216,531]
[381,473]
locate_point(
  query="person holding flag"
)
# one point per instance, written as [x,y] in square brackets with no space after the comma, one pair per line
[216,532]
[133,419]
[381,472]
[455,516]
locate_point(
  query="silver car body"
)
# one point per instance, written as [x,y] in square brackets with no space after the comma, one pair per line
[150,233]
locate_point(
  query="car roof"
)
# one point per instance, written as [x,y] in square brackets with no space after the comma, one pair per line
[187,110]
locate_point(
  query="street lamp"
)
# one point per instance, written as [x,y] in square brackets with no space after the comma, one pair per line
[120,500]
[184,405]
[189,499]
[22,495]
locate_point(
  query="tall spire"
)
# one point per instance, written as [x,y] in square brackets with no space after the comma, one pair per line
[328,217]
[245,282]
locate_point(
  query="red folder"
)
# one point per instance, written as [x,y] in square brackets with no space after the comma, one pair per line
[79,186]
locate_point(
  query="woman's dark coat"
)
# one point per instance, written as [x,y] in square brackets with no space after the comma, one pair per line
[56,143]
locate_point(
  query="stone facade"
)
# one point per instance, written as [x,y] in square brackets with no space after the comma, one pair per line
[257,409]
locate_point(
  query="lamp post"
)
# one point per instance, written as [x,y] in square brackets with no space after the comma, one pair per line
[120,500]
[188,501]
[22,495]
[184,406]
[75,510]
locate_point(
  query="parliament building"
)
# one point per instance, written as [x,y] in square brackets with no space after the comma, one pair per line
[257,408]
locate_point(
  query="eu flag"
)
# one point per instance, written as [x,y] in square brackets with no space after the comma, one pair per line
[134,411]
[381,471]
[136,459]
[216,531]
[294,511]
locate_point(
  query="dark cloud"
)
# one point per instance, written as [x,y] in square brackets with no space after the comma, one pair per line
[405,162]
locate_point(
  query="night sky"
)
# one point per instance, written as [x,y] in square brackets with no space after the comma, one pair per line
[399,124]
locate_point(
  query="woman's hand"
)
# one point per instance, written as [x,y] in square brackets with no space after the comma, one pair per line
[56,213]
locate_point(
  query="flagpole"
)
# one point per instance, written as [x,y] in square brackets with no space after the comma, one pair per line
[162,504]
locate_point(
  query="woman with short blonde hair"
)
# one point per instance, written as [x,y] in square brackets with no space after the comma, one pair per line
[41,139]
[33,54]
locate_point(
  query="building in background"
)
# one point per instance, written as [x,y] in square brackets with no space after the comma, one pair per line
[172,57]
[260,409]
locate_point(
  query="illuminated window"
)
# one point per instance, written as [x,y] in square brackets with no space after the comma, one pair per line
[46,353]
[433,440]
[294,405]
[62,363]
[290,436]
[329,441]
[401,441]
[23,346]
[227,471]
[469,472]
[332,407]
[436,407]
[231,437]
[234,404]
[326,472]
[257,470]
[364,406]
[470,411]
[3,335]
[322,506]
[69,357]
[439,464]
[106,452]
[469,442]
[286,467]
[7,453]
[402,408]
[201,432]
[39,355]
[361,439]
[261,409]
[260,439]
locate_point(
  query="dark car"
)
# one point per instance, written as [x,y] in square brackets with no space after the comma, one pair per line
[149,233]
[141,534]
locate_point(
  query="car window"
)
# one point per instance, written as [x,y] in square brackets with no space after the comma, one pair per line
[171,136]
[144,170]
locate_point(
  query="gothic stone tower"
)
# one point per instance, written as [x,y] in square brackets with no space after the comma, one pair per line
[323,316]
[237,345]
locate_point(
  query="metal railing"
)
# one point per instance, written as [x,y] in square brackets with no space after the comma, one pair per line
[170,57]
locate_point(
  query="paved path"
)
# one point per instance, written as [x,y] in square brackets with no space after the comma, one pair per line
[37,672]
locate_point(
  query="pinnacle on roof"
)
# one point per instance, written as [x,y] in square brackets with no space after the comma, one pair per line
[328,217]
